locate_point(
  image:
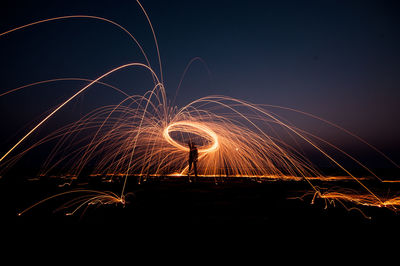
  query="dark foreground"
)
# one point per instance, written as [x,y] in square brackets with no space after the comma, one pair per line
[174,202]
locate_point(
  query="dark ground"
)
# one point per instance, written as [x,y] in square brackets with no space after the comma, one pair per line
[176,203]
[239,221]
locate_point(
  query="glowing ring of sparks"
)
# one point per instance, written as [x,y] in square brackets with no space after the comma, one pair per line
[195,128]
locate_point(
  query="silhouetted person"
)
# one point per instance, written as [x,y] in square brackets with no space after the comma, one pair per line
[193,156]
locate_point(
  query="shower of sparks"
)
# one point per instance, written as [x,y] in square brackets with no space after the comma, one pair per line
[145,135]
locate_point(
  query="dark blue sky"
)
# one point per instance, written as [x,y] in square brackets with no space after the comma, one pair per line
[336,59]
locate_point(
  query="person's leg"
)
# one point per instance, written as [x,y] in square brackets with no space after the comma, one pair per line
[195,168]
[190,167]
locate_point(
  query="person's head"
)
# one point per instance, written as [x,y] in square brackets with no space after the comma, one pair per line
[190,144]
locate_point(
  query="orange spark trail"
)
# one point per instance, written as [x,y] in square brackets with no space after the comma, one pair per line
[82,16]
[60,79]
[72,97]
[304,138]
[337,126]
[155,40]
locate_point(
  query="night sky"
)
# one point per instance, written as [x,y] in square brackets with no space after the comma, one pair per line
[339,60]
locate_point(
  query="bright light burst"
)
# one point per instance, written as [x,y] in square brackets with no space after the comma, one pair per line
[145,135]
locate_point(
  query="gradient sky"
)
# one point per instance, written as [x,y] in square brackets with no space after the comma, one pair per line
[339,60]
